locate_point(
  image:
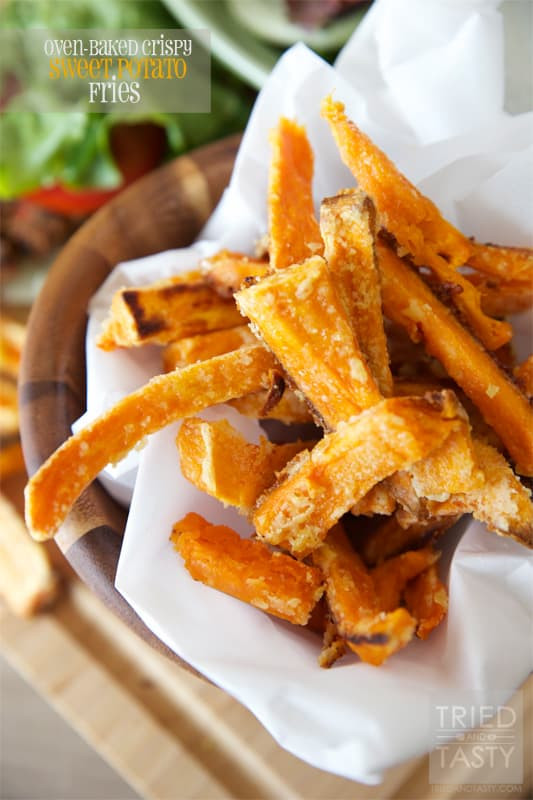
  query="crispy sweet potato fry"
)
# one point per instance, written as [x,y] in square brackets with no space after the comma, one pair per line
[503,503]
[12,336]
[354,605]
[205,345]
[218,460]
[413,220]
[11,458]
[226,271]
[500,298]
[293,228]
[348,225]
[9,413]
[391,576]
[292,311]
[165,311]
[409,302]
[318,487]
[288,408]
[390,538]
[379,500]
[333,646]
[27,581]
[506,263]
[247,569]
[524,376]
[163,400]
[426,599]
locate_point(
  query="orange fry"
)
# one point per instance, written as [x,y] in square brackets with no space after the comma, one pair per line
[500,298]
[226,271]
[390,538]
[218,460]
[426,599]
[299,315]
[354,605]
[247,569]
[503,503]
[11,459]
[318,487]
[379,500]
[286,406]
[293,228]
[166,398]
[524,376]
[409,302]
[506,263]
[348,226]
[12,336]
[165,311]
[413,220]
[391,576]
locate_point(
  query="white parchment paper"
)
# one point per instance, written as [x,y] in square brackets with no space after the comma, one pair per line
[428,88]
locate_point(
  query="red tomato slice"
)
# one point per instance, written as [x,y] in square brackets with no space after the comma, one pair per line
[136,148]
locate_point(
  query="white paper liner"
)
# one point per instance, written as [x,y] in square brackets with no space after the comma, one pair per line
[427,86]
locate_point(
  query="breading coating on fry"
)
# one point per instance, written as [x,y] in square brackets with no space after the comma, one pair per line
[288,407]
[390,538]
[293,228]
[426,598]
[318,487]
[524,376]
[217,459]
[247,569]
[354,604]
[503,503]
[348,225]
[299,315]
[165,311]
[166,398]
[226,271]
[391,576]
[506,263]
[413,220]
[411,304]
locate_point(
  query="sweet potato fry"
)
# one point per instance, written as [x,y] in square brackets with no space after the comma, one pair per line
[318,487]
[218,460]
[287,408]
[333,646]
[11,458]
[247,569]
[12,336]
[505,263]
[165,311]
[348,225]
[293,228]
[391,576]
[299,315]
[414,221]
[226,271]
[166,398]
[9,413]
[426,598]
[390,538]
[205,345]
[409,302]
[503,503]
[354,605]
[524,376]
[27,581]
[379,500]
[500,298]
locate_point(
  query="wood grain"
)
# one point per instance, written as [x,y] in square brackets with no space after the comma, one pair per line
[164,210]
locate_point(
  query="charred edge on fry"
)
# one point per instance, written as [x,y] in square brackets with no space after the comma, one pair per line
[275,392]
[145,326]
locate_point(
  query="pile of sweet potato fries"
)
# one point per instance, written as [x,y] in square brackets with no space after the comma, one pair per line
[384,326]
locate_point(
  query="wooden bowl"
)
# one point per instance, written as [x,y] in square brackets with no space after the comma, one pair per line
[164,210]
